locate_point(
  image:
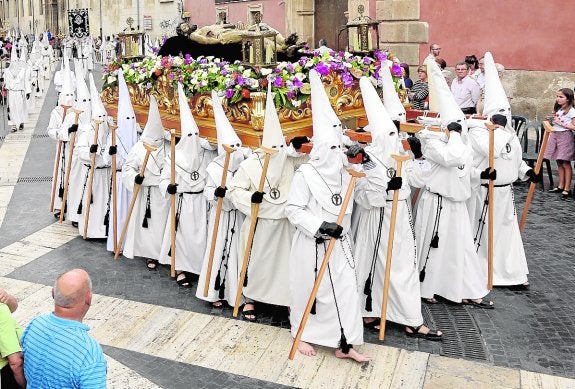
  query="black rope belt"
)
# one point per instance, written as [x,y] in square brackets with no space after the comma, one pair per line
[496,186]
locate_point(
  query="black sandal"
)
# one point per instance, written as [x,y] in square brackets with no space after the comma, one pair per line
[250,312]
[481,304]
[185,281]
[372,325]
[555,190]
[152,264]
[431,335]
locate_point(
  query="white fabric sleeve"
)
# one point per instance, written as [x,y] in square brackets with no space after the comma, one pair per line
[296,208]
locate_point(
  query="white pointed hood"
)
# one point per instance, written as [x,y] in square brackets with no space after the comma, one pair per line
[45,40]
[14,61]
[433,105]
[391,100]
[273,138]
[448,109]
[24,54]
[385,139]
[153,133]
[189,152]
[496,101]
[325,176]
[324,116]
[126,133]
[226,135]
[98,111]
[67,94]
[83,99]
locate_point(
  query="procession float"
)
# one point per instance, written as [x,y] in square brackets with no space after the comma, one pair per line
[239,65]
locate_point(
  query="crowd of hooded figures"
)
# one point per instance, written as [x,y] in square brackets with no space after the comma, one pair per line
[255,225]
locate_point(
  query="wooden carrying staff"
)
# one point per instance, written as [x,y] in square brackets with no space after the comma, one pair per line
[57,166]
[490,205]
[173,202]
[399,159]
[113,128]
[149,150]
[91,178]
[77,112]
[229,150]
[548,130]
[354,176]
[254,218]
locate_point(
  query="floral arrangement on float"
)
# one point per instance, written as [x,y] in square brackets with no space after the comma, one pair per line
[243,88]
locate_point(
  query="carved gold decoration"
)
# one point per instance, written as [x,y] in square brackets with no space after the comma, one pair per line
[258,110]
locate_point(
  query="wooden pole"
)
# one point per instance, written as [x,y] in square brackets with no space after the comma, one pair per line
[254,218]
[399,160]
[91,178]
[55,176]
[490,206]
[173,202]
[229,150]
[57,166]
[354,176]
[113,128]
[149,150]
[77,112]
[548,130]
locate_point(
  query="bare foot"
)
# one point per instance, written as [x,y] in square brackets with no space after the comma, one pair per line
[217,304]
[249,312]
[306,349]
[424,330]
[352,354]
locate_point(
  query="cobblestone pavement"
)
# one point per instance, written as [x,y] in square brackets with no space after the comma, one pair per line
[532,330]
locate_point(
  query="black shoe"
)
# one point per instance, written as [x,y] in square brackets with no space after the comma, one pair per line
[565,195]
[520,287]
[74,224]
[21,126]
[555,190]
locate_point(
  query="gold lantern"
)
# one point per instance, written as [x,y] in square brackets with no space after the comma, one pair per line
[361,32]
[131,42]
[259,45]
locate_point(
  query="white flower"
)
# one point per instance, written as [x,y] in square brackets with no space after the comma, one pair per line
[265,72]
[296,103]
[178,61]
[247,73]
[300,76]
[111,79]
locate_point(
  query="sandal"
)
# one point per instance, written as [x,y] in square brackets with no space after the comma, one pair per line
[184,279]
[480,304]
[219,304]
[152,264]
[555,190]
[565,194]
[432,300]
[433,336]
[250,312]
[519,287]
[372,325]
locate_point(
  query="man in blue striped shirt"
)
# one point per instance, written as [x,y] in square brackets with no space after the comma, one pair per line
[58,352]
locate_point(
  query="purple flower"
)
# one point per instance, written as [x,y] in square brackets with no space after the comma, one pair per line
[229,93]
[203,61]
[366,60]
[278,82]
[241,81]
[396,70]
[277,70]
[347,79]
[224,72]
[171,76]
[297,83]
[380,55]
[289,67]
[291,95]
[322,68]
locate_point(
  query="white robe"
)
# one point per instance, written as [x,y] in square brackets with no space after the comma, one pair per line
[53,130]
[226,253]
[100,186]
[16,86]
[404,302]
[453,269]
[192,229]
[322,328]
[140,241]
[47,58]
[509,261]
[268,266]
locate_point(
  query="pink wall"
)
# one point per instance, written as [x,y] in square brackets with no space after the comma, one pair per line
[205,14]
[526,35]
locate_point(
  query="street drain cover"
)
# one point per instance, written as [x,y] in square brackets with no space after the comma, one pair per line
[28,180]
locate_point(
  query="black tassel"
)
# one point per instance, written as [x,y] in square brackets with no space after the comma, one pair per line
[148,212]
[79,212]
[222,291]
[145,223]
[246,280]
[218,282]
[343,343]
[435,241]
[37,89]
[313,308]
[368,305]
[169,251]
[367,287]
[107,222]
[91,199]
[422,274]
[60,192]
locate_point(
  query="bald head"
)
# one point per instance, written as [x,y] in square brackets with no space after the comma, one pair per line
[72,289]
